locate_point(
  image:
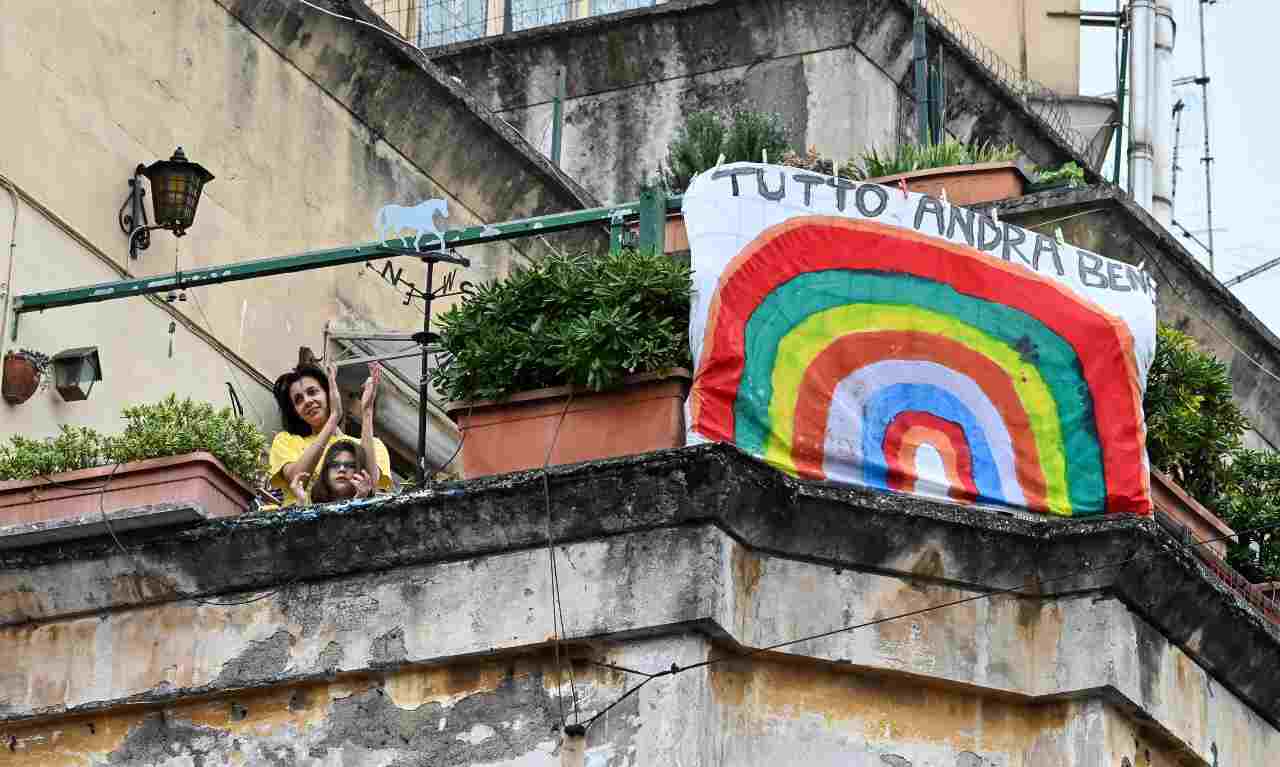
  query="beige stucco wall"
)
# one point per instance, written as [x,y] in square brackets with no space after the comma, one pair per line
[102,85]
[1020,32]
[132,336]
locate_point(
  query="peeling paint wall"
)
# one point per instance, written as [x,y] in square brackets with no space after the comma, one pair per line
[452,663]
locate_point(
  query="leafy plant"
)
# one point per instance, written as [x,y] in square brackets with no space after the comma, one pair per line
[905,158]
[699,143]
[1193,424]
[1194,431]
[75,447]
[1252,500]
[175,427]
[571,319]
[169,427]
[40,360]
[1070,172]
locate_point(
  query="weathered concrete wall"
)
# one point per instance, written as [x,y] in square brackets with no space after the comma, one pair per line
[310,125]
[838,74]
[1189,298]
[417,631]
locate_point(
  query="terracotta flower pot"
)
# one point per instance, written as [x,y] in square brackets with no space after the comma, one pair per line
[1169,498]
[21,378]
[646,414]
[196,479]
[965,184]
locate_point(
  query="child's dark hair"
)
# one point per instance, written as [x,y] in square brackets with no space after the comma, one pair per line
[320,490]
[293,422]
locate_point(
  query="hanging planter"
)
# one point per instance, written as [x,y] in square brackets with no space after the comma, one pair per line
[23,371]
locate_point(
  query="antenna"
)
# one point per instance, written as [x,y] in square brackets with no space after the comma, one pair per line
[1203,82]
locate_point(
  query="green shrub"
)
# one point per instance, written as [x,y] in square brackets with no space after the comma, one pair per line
[703,138]
[1070,172]
[169,427]
[1251,500]
[1193,424]
[75,447]
[175,427]
[567,320]
[908,157]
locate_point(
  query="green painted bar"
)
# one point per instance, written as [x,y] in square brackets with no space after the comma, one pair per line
[319,259]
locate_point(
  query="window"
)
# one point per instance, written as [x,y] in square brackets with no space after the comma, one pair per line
[452,21]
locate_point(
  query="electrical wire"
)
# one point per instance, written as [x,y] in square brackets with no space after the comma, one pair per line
[557,606]
[1191,308]
[393,35]
[209,324]
[676,669]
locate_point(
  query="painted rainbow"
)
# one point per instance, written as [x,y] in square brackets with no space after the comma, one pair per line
[843,349]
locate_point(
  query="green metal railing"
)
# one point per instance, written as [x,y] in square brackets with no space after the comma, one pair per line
[650,211]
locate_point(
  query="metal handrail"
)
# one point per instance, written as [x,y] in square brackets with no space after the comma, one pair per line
[1037,98]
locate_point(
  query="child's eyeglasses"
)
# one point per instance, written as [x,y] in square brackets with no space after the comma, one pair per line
[348,465]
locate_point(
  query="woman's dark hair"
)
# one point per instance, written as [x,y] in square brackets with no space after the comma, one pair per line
[320,490]
[293,422]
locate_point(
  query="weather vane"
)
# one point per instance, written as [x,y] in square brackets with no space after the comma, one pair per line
[390,222]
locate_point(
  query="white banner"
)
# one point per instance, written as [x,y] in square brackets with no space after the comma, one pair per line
[865,335]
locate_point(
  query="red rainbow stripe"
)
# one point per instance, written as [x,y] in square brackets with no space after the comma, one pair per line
[912,429]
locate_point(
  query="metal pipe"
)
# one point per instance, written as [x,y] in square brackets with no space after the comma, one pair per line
[1141,49]
[920,50]
[557,117]
[623,213]
[1254,272]
[1120,86]
[1208,157]
[424,381]
[1161,109]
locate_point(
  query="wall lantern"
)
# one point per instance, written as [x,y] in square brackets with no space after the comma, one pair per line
[74,372]
[176,184]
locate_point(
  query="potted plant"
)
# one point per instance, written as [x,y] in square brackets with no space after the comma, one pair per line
[588,353]
[704,140]
[1065,176]
[172,452]
[970,173]
[23,371]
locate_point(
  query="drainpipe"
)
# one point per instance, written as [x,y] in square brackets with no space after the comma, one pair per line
[6,289]
[1162,113]
[1141,49]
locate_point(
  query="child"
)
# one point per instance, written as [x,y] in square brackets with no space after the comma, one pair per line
[342,476]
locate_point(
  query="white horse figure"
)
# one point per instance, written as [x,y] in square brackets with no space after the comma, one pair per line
[421,218]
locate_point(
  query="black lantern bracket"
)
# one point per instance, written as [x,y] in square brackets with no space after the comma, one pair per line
[176,185]
[133,214]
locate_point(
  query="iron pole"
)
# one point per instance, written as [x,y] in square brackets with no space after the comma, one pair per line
[1208,158]
[424,378]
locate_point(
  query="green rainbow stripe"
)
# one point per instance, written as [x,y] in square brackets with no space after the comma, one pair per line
[792,303]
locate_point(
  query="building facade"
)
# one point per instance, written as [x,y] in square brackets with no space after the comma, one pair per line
[714,612]
[310,125]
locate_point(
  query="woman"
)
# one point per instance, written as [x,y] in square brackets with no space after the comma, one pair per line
[343,476]
[311,408]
